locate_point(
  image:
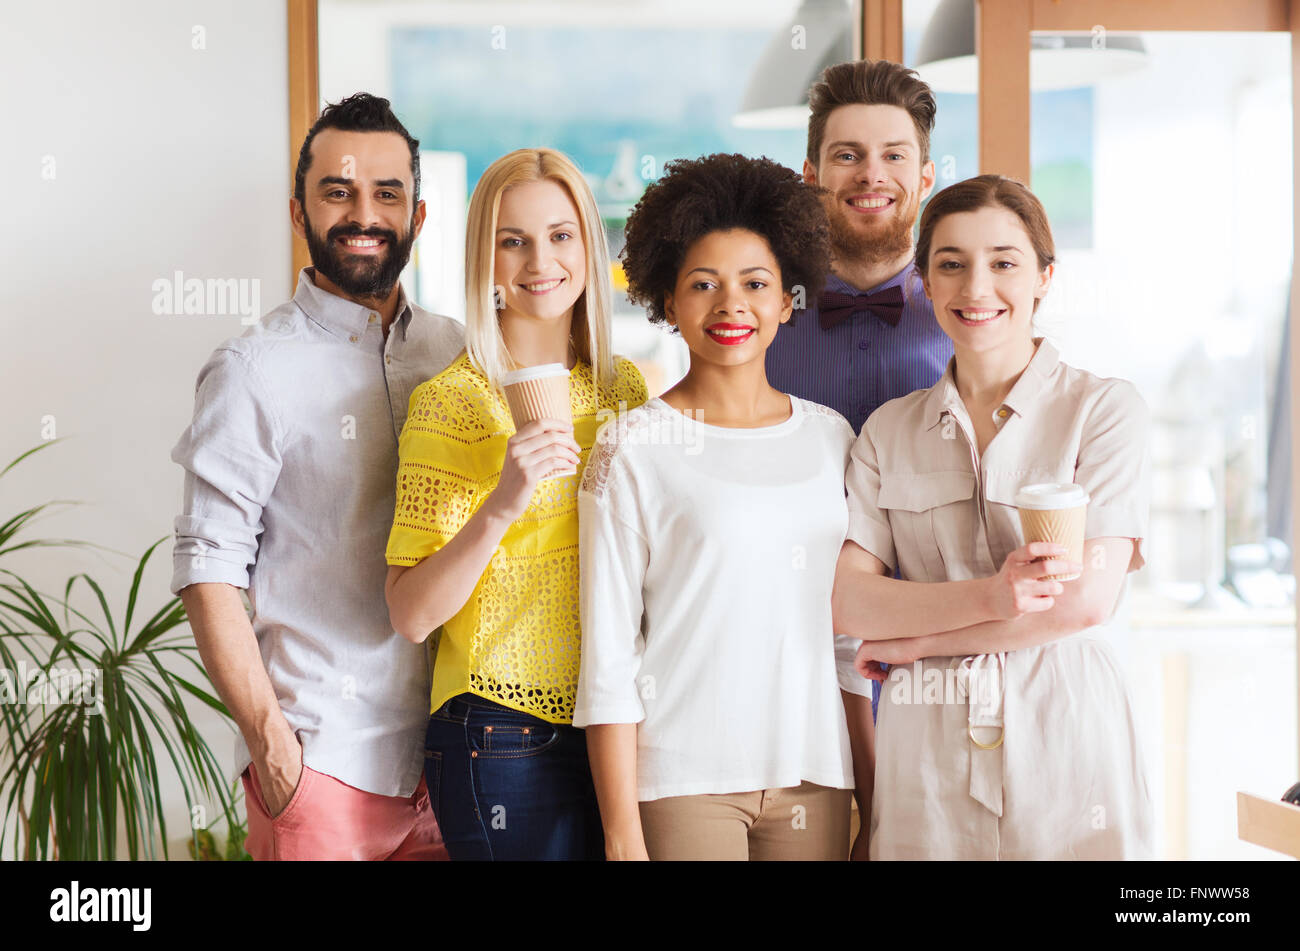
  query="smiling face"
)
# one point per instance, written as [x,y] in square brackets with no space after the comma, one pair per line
[540,261]
[983,278]
[728,301]
[870,163]
[358,213]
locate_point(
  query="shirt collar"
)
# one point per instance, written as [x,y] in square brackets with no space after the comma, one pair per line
[836,283]
[1033,381]
[340,316]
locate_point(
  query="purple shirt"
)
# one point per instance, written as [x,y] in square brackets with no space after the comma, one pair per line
[862,362]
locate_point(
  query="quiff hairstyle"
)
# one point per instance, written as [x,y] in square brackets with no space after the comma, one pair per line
[872,83]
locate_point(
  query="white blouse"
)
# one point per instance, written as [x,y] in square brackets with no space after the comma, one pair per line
[707,557]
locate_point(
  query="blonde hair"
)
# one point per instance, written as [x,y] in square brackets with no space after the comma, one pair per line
[589,331]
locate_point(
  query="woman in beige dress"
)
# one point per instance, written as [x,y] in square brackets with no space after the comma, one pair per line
[1005,729]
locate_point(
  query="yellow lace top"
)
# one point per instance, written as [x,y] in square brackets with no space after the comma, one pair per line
[516,640]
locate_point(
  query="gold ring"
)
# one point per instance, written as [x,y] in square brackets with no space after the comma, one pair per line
[970,731]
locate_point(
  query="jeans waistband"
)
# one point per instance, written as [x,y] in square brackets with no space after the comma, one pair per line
[462,705]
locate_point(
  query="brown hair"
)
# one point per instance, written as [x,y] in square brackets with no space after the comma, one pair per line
[988,191]
[871,83]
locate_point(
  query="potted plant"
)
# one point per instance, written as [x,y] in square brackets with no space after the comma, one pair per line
[102,694]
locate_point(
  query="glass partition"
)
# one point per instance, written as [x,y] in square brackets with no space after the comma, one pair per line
[621,88]
[1165,163]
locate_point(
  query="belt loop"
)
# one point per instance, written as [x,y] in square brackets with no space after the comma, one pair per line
[457,709]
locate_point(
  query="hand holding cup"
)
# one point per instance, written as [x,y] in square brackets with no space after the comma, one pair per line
[535,451]
[543,446]
[1025,584]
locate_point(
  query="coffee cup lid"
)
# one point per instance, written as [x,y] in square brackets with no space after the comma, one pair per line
[539,372]
[1051,495]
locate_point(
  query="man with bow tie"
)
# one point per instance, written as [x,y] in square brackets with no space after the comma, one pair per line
[871,336]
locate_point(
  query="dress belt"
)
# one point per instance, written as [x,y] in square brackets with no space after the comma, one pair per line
[981,683]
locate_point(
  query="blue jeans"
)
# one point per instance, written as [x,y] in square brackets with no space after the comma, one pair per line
[506,785]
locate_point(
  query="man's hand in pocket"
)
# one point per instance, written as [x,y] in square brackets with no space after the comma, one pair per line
[279,771]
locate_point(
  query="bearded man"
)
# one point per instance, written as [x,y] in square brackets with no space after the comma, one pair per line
[290,475]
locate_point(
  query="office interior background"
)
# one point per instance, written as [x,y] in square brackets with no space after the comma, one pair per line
[154,137]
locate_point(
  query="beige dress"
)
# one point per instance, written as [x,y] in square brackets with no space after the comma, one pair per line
[1066,781]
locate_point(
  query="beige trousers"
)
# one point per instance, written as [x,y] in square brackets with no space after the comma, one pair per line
[801,823]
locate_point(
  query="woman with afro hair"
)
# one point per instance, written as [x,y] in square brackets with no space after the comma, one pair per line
[710,520]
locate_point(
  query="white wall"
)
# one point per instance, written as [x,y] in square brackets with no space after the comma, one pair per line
[166,158]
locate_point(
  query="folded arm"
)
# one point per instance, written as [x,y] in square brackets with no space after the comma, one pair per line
[1085,602]
[869,605]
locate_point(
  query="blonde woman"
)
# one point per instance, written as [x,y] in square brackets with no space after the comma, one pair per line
[486,548]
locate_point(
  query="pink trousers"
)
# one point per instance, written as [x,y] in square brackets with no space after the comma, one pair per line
[327,819]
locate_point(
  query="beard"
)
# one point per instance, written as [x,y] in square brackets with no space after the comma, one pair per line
[885,241]
[362,276]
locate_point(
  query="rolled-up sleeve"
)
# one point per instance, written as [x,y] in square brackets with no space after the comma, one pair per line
[1114,467]
[612,561]
[868,523]
[846,649]
[231,454]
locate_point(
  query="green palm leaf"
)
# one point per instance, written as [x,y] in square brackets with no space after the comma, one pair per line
[75,773]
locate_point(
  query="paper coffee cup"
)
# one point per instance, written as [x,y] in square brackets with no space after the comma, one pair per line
[1055,512]
[540,392]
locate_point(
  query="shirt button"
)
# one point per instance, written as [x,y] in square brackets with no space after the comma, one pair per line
[1003,413]
[388,359]
[864,344]
[862,408]
[353,338]
[373,318]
